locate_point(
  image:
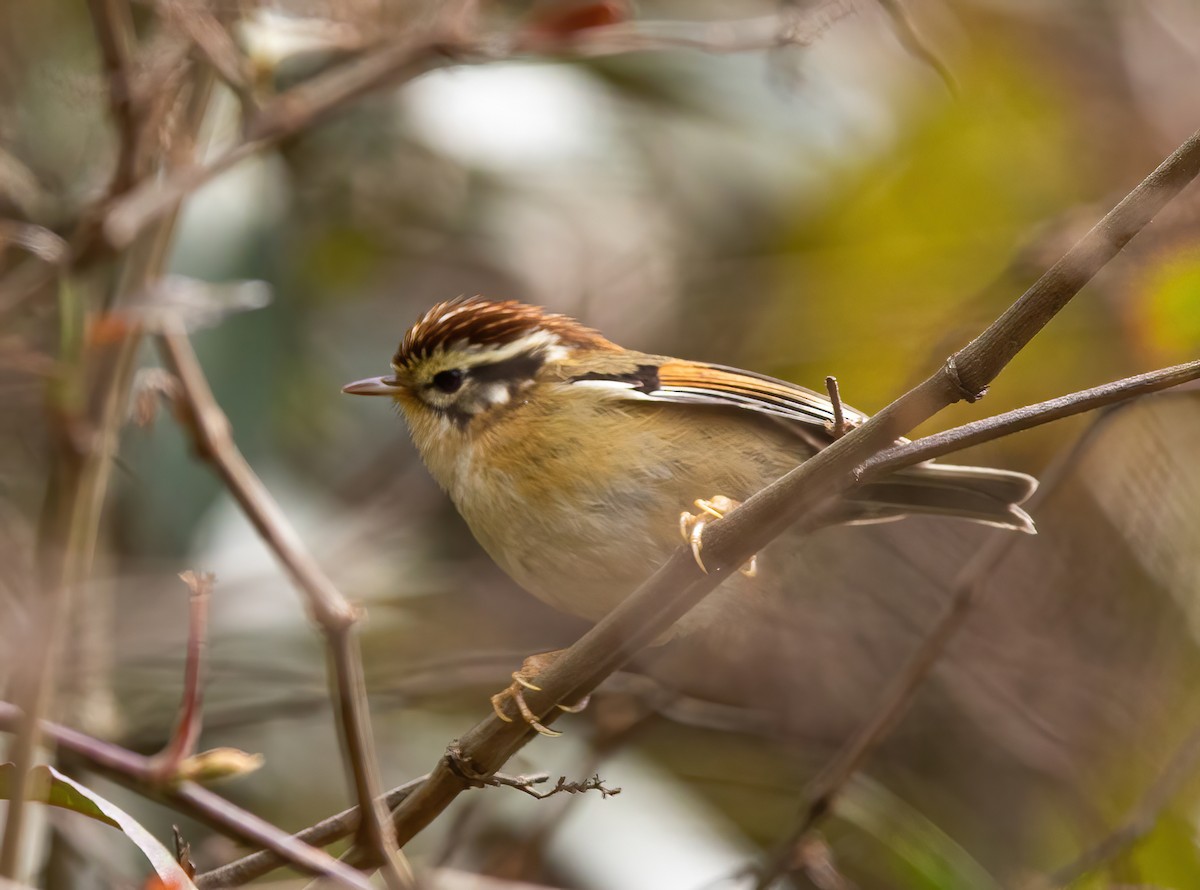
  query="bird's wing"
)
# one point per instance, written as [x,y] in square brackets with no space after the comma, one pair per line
[704,384]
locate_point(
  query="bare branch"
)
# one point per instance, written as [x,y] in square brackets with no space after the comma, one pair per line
[138,772]
[798,497]
[940,444]
[388,66]
[113,24]
[822,791]
[182,743]
[835,399]
[208,426]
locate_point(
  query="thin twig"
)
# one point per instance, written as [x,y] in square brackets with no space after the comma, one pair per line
[835,399]
[182,743]
[396,63]
[70,523]
[1141,820]
[799,496]
[113,24]
[208,426]
[990,428]
[138,772]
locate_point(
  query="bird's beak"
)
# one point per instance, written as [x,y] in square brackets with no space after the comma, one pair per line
[374,386]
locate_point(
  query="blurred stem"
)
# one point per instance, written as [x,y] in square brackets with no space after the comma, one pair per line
[88,439]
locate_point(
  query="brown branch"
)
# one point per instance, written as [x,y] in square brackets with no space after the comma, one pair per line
[820,795]
[396,63]
[835,399]
[1140,821]
[940,444]
[343,824]
[798,497]
[67,537]
[139,773]
[208,427]
[182,743]
[113,24]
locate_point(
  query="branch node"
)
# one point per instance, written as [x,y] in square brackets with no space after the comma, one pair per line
[965,392]
[460,764]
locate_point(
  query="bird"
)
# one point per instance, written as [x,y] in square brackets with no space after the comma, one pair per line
[576,462]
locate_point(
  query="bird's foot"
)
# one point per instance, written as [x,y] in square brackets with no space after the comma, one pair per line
[691,527]
[522,680]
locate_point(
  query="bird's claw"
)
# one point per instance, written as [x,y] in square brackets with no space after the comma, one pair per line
[533,666]
[691,528]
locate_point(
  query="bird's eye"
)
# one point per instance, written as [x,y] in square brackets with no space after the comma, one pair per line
[448,381]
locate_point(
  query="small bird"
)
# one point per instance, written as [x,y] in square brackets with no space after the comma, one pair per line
[576,462]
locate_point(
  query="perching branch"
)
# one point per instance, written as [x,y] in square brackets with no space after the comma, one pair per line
[798,497]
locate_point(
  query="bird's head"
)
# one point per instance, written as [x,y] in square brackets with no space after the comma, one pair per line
[468,357]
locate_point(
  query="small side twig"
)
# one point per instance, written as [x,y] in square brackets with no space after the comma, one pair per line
[595,783]
[462,765]
[835,398]
[182,743]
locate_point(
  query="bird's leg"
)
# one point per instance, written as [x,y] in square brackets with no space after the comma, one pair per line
[691,527]
[522,680]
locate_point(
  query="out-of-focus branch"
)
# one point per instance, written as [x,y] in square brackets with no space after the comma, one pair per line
[186,734]
[208,427]
[1140,821]
[910,38]
[71,507]
[113,24]
[798,497]
[395,63]
[140,774]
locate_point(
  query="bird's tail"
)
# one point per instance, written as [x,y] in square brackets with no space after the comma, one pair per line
[977,494]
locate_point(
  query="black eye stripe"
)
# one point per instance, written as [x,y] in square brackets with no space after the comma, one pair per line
[518,368]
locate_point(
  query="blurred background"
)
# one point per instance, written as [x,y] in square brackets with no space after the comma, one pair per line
[858,206]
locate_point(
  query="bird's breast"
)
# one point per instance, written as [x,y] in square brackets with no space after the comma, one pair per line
[581,512]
